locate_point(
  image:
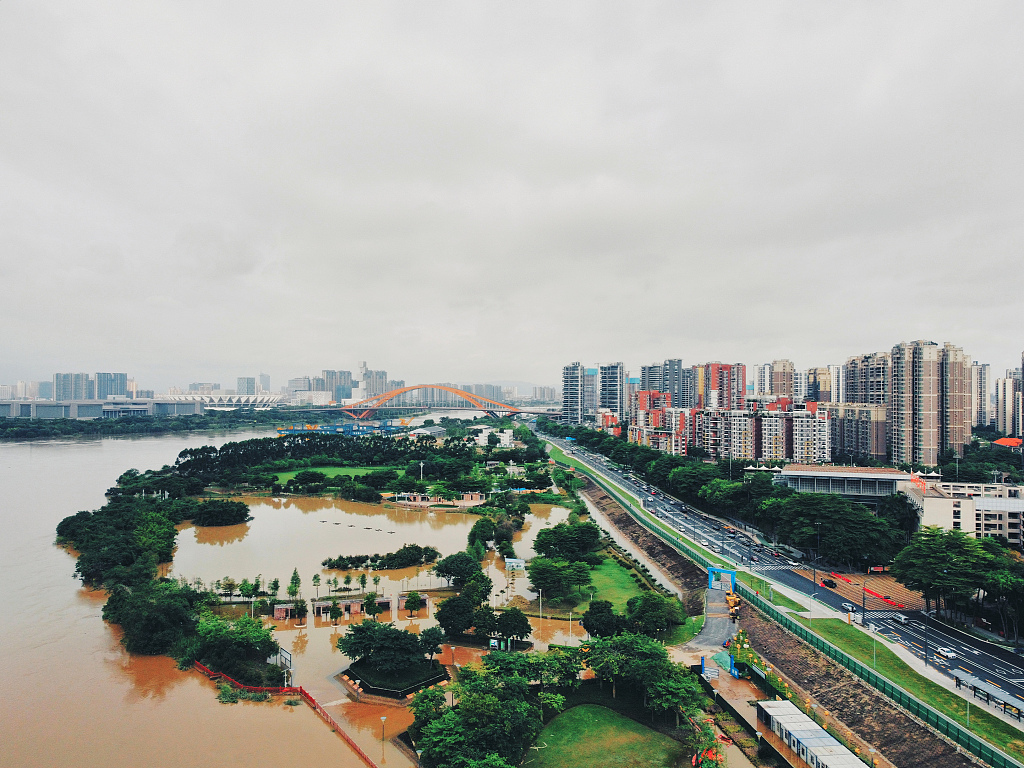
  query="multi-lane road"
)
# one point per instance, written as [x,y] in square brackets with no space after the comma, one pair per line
[948,650]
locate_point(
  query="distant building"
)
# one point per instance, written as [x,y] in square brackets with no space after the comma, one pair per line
[980,389]
[858,429]
[246,385]
[866,379]
[573,393]
[111,385]
[929,402]
[782,378]
[73,386]
[613,389]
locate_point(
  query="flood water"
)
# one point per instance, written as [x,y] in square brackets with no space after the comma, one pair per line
[74,696]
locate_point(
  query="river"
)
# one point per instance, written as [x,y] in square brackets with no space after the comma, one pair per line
[74,696]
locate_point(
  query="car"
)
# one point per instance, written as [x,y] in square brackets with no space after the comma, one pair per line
[849,607]
[793,563]
[899,618]
[946,653]
[830,583]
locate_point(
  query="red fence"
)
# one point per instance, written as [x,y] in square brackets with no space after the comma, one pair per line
[301,692]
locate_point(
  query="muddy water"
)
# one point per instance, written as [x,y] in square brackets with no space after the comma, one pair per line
[73,696]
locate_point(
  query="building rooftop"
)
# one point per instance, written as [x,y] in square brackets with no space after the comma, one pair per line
[840,471]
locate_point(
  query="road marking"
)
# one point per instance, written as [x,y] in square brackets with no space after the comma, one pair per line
[997,685]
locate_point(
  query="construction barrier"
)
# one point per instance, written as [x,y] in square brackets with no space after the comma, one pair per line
[301,693]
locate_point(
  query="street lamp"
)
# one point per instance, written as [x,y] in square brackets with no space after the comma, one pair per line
[383,719]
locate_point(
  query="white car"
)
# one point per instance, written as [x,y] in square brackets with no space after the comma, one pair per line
[849,607]
[946,653]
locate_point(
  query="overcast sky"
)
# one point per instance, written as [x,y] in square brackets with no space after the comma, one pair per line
[194,191]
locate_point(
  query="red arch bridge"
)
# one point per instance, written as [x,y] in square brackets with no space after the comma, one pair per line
[366,409]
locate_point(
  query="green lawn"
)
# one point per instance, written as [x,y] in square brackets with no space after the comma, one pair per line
[284,477]
[611,582]
[683,633]
[591,735]
[876,654]
[558,454]
[760,585]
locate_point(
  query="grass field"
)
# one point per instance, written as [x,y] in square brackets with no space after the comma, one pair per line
[760,585]
[876,654]
[611,582]
[683,633]
[284,477]
[558,454]
[591,735]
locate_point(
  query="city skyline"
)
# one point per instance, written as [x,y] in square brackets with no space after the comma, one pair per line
[482,195]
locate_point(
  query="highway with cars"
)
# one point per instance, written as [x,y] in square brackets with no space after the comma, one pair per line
[948,650]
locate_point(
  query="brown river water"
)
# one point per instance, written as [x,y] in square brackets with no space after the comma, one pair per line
[73,696]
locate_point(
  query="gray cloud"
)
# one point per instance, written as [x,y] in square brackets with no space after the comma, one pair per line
[472,192]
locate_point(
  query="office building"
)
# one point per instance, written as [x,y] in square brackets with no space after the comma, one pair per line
[246,385]
[264,383]
[573,393]
[652,378]
[590,393]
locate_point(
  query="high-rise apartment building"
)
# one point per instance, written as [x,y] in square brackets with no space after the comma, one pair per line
[1009,415]
[338,383]
[73,386]
[980,388]
[612,393]
[264,382]
[111,385]
[782,378]
[838,384]
[866,379]
[573,393]
[819,385]
[723,385]
[929,402]
[762,379]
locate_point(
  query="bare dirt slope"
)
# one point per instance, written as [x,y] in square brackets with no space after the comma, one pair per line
[896,735]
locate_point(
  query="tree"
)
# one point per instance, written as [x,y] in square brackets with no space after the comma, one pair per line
[455,615]
[485,622]
[430,641]
[678,691]
[601,621]
[362,582]
[246,589]
[383,647]
[551,576]
[295,585]
[413,602]
[513,623]
[229,585]
[578,575]
[274,587]
[316,583]
[370,606]
[651,612]
[376,582]
[336,612]
[348,581]
[457,568]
